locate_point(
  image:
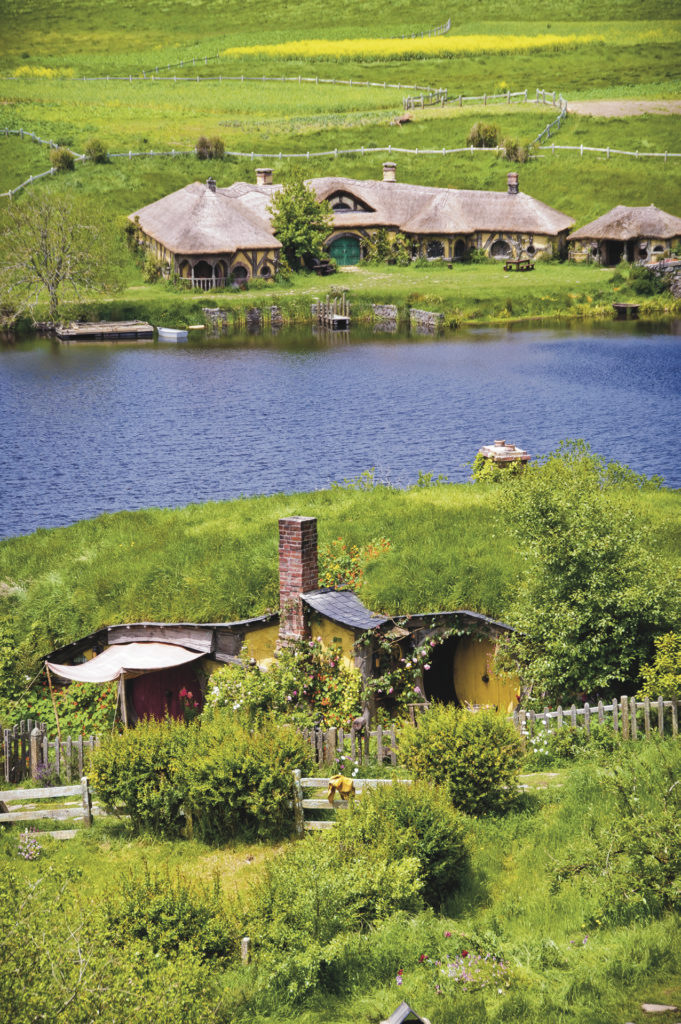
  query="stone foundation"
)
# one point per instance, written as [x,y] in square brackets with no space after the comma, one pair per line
[424,322]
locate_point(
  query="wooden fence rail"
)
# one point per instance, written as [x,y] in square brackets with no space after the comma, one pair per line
[26,798]
[626,716]
[301,803]
[329,745]
[27,753]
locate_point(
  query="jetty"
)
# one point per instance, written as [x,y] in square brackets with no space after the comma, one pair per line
[108,330]
[333,312]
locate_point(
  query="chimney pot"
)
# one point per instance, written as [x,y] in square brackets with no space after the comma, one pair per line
[513,183]
[211,185]
[389,171]
[263,175]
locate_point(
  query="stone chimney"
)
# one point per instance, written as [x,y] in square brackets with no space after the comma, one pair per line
[389,172]
[298,573]
[211,185]
[263,175]
[513,183]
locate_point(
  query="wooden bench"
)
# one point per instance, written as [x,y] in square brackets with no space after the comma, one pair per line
[301,803]
[28,813]
[322,267]
[520,264]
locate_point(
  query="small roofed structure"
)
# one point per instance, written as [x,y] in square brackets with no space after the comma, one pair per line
[405,1015]
[502,453]
[626,233]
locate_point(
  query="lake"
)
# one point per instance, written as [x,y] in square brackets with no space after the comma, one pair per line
[91,428]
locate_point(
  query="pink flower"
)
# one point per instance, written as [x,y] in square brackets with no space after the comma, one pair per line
[295,693]
[464,952]
[196,703]
[448,935]
[398,979]
[433,644]
[183,692]
[391,690]
[426,667]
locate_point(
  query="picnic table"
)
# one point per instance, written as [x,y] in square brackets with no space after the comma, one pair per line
[520,264]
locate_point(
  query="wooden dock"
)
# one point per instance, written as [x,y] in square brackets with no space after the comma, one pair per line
[334,313]
[115,330]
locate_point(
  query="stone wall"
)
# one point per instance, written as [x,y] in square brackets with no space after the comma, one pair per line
[384,312]
[425,322]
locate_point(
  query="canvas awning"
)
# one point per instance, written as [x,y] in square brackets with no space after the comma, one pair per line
[127,659]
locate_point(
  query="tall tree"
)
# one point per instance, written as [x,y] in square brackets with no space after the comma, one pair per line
[300,222]
[593,597]
[53,247]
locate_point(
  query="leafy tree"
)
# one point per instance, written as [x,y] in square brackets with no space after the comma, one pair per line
[300,222]
[51,245]
[663,677]
[592,597]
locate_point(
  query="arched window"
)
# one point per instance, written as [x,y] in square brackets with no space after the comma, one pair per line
[500,250]
[265,270]
[239,272]
[435,250]
[203,269]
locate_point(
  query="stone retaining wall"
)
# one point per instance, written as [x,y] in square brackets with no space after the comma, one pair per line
[426,322]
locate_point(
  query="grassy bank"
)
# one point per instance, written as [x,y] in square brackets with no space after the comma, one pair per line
[218,561]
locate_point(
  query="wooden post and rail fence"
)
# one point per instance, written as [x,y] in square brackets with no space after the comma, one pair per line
[28,753]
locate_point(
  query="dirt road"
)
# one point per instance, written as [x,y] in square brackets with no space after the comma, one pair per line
[623,108]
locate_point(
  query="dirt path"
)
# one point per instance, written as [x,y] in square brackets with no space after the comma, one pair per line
[623,108]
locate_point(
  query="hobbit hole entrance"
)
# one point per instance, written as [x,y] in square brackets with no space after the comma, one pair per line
[157,694]
[438,680]
[500,250]
[345,251]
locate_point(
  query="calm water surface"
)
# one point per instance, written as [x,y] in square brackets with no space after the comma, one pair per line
[91,428]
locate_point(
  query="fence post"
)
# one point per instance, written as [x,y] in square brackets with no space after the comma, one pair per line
[35,743]
[559,717]
[245,950]
[587,719]
[633,729]
[379,744]
[660,715]
[573,716]
[393,745]
[675,719]
[615,715]
[624,712]
[68,759]
[87,802]
[298,803]
[330,746]
[646,716]
[6,751]
[601,714]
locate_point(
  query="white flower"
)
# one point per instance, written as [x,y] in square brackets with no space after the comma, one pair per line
[216,691]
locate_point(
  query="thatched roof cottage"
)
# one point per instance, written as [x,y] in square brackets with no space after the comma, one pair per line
[627,233]
[202,232]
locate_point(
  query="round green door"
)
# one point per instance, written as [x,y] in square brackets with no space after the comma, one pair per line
[345,251]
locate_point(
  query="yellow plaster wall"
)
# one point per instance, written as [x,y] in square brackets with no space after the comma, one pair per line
[331,633]
[262,643]
[473,659]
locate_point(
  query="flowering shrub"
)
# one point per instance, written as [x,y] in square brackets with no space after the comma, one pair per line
[400,682]
[342,565]
[190,705]
[83,708]
[308,684]
[29,847]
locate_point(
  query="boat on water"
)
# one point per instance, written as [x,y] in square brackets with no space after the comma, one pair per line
[172,333]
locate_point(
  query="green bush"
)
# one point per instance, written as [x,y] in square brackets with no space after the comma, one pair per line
[515,151]
[476,757]
[238,780]
[62,159]
[403,821]
[139,769]
[663,677]
[172,915]
[483,136]
[96,151]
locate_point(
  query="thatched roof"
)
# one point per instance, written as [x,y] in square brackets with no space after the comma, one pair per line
[626,222]
[202,219]
[421,209]
[196,220]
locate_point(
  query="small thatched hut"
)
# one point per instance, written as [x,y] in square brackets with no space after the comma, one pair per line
[628,233]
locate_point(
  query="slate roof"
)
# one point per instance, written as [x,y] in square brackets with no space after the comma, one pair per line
[625,222]
[343,607]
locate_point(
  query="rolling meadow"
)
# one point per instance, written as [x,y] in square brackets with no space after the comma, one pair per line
[563,909]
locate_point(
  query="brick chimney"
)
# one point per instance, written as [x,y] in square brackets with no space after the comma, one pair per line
[389,172]
[513,183]
[298,573]
[263,175]
[211,184]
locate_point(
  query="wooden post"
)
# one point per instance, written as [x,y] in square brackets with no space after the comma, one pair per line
[601,713]
[624,713]
[57,756]
[34,751]
[6,751]
[298,812]
[587,719]
[330,746]
[245,950]
[352,741]
[54,703]
[87,802]
[532,720]
[379,744]
[68,759]
[615,715]
[573,716]
[675,717]
[646,716]
[660,715]
[80,755]
[122,698]
[393,747]
[559,717]
[632,718]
